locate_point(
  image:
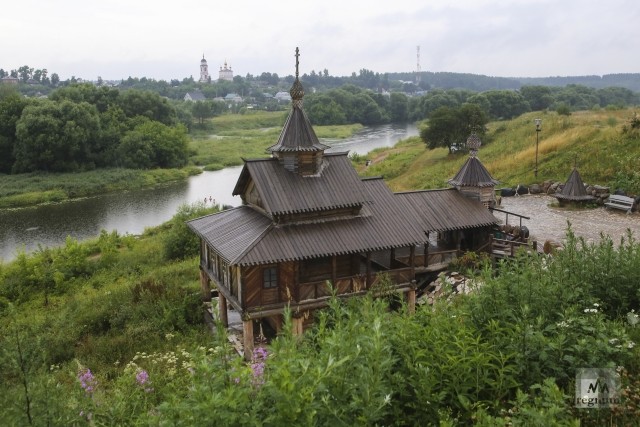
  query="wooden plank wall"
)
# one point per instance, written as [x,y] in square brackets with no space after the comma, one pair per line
[255,295]
[287,272]
[252,281]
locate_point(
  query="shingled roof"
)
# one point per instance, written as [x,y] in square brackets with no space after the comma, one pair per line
[246,237]
[574,189]
[445,209]
[473,174]
[297,134]
[283,192]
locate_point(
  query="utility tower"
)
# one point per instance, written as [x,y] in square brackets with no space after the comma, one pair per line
[418,66]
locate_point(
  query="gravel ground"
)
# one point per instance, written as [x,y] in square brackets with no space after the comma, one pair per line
[550,223]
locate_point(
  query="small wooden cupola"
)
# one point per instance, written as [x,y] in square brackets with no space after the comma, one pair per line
[574,191]
[473,179]
[298,149]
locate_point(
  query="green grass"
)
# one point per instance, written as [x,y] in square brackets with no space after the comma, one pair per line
[37,188]
[595,139]
[105,298]
[234,137]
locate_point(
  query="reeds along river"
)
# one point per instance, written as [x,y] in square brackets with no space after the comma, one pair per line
[130,212]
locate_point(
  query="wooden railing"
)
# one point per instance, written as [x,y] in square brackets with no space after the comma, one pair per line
[433,258]
[351,284]
[442,257]
[502,247]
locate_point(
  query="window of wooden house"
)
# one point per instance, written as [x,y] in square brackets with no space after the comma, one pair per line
[270,277]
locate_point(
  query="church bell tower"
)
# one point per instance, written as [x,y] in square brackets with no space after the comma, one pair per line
[204,71]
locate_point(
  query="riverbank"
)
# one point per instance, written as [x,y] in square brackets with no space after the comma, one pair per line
[33,189]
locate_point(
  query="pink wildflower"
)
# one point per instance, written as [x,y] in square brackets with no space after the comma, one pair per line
[87,381]
[142,377]
[260,354]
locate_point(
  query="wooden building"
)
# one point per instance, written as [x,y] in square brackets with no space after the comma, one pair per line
[473,179]
[574,191]
[307,219]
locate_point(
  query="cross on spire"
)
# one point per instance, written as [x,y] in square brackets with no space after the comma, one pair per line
[297,62]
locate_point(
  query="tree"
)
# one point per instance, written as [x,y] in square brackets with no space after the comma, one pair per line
[450,126]
[271,79]
[325,111]
[201,110]
[366,111]
[617,96]
[538,97]
[11,107]
[578,97]
[154,145]
[147,104]
[399,107]
[101,97]
[113,124]
[481,101]
[506,104]
[25,73]
[55,79]
[57,137]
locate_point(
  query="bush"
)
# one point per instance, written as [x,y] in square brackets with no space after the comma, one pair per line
[180,242]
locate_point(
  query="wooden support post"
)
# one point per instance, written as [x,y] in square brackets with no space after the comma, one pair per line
[393,257]
[334,271]
[367,284]
[411,300]
[222,310]
[426,253]
[297,324]
[296,286]
[247,338]
[204,286]
[412,261]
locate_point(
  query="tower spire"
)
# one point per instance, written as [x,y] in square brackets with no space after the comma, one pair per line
[298,147]
[297,91]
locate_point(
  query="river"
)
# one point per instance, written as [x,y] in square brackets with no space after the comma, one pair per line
[131,212]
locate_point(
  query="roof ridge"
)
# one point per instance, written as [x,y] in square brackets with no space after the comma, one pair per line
[426,190]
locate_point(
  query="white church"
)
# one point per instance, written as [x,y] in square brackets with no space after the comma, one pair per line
[225,73]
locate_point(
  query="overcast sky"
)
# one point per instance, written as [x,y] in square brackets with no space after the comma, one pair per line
[116,39]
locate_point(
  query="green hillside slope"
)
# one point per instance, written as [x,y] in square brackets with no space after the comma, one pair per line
[606,154]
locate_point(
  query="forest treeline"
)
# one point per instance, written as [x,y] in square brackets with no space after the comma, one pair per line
[350,104]
[83,127]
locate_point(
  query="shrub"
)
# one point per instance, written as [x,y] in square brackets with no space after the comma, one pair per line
[180,242]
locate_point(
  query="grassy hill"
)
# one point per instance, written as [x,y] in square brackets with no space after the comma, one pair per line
[605,153]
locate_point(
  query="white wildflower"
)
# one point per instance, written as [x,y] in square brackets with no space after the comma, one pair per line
[633,318]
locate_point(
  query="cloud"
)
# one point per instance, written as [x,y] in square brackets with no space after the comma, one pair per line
[117,38]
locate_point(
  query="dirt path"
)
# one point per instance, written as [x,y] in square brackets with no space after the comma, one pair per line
[550,223]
